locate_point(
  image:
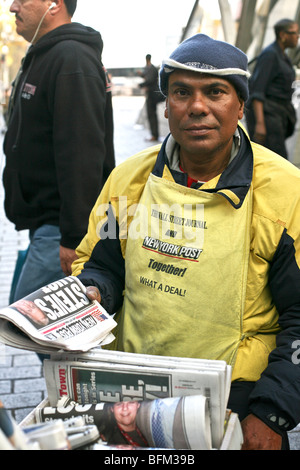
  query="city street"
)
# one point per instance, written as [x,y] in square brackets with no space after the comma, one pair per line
[22,386]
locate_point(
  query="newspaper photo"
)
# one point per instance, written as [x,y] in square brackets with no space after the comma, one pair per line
[168,423]
[58,316]
[117,377]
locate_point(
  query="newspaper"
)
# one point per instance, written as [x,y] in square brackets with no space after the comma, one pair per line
[56,317]
[58,434]
[168,423]
[101,376]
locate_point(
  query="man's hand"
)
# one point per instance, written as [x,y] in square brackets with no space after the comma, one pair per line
[260,133]
[67,256]
[93,293]
[258,436]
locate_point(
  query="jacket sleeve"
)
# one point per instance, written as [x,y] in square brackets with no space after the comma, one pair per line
[276,396]
[79,104]
[100,260]
[263,74]
[105,269]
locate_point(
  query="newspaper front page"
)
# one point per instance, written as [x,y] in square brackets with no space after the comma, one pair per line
[58,316]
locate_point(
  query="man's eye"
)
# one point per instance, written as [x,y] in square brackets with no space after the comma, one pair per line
[216,91]
[181,92]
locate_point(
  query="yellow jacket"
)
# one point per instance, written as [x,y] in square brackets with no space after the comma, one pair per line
[269,290]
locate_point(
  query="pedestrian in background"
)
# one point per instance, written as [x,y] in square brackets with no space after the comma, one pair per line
[271,117]
[150,74]
[59,141]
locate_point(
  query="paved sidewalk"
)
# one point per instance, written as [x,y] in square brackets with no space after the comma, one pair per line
[22,386]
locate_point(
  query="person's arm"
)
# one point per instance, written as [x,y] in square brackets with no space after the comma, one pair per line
[151,78]
[275,399]
[103,273]
[260,131]
[100,264]
[67,257]
[260,81]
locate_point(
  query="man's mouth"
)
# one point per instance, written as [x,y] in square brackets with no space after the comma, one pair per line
[198,129]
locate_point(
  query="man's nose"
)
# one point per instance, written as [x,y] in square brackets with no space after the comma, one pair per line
[198,105]
[13,7]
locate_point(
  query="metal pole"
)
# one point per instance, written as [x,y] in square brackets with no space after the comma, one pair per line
[190,21]
[227,21]
[244,36]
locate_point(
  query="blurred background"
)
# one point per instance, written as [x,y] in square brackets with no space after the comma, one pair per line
[130,30]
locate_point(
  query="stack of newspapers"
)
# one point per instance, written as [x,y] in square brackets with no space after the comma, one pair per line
[175,403]
[182,402]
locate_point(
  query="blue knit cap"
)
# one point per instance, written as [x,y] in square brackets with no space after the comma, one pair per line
[201,53]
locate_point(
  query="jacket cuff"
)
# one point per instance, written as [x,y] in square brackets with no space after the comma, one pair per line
[109,302]
[276,419]
[71,243]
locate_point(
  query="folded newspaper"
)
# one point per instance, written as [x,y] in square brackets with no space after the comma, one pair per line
[168,423]
[101,376]
[59,316]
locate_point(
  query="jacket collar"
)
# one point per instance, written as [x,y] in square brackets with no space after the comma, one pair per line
[233,183]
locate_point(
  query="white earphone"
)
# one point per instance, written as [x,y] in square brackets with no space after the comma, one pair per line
[53,4]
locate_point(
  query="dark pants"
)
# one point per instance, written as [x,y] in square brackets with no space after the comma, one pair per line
[280,123]
[238,403]
[151,103]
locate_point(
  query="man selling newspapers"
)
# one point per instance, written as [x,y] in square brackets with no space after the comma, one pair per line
[195,244]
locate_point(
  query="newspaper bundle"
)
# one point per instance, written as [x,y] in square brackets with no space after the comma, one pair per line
[59,316]
[169,423]
[100,376]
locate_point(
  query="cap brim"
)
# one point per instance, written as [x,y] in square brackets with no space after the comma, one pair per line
[169,65]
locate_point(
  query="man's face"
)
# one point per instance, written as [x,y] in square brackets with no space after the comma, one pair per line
[291,36]
[28,15]
[203,112]
[28,308]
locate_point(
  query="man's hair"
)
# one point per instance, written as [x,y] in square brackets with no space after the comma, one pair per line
[283,25]
[71,6]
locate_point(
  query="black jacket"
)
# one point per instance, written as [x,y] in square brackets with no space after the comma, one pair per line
[59,142]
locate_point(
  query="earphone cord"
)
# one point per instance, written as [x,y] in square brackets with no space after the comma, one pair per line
[39,26]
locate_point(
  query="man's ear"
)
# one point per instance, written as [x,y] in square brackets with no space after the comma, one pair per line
[166,110]
[241,111]
[56,6]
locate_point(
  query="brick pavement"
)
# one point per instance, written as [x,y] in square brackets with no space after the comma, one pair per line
[22,386]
